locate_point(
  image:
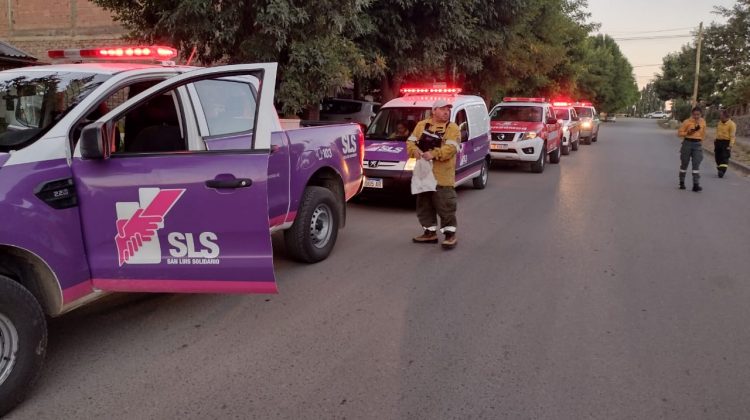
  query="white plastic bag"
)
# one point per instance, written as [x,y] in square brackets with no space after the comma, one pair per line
[422,178]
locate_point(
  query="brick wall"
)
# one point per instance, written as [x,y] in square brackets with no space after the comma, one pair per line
[36,26]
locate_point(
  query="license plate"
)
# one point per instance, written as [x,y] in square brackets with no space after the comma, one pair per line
[499,146]
[374,183]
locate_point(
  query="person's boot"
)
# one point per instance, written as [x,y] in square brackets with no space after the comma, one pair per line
[697,187]
[722,171]
[682,181]
[450,240]
[428,237]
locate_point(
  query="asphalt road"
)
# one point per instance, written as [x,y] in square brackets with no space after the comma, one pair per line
[594,290]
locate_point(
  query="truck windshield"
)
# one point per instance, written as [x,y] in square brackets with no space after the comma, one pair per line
[396,124]
[517,113]
[562,114]
[584,111]
[36,100]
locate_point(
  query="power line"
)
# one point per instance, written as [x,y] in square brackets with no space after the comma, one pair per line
[650,32]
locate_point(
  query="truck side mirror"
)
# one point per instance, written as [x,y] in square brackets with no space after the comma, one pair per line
[551,120]
[95,141]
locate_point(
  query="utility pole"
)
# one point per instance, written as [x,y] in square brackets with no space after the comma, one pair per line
[694,100]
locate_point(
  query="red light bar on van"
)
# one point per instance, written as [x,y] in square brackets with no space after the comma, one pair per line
[515,99]
[406,91]
[154,52]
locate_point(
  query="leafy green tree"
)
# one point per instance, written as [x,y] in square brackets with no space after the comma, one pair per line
[311,40]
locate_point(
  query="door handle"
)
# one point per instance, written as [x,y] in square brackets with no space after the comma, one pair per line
[229,183]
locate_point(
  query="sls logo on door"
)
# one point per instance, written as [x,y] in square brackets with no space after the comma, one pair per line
[138,222]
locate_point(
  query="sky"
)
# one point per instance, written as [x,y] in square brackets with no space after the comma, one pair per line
[643,18]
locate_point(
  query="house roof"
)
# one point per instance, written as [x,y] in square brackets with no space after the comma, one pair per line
[13,54]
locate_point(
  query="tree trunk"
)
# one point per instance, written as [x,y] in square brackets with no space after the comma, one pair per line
[389,88]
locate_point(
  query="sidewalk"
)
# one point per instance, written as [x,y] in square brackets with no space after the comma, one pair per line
[740,151]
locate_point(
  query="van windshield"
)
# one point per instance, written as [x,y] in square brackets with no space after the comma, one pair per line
[396,124]
[35,101]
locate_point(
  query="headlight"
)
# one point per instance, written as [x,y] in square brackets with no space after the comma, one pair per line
[529,135]
[410,164]
[586,124]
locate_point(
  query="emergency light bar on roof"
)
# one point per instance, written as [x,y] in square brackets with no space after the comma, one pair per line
[153,52]
[583,104]
[515,99]
[420,91]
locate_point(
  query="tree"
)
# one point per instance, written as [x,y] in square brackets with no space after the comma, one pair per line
[311,40]
[678,73]
[607,79]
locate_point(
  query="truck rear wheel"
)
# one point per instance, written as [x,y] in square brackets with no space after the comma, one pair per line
[313,234]
[23,343]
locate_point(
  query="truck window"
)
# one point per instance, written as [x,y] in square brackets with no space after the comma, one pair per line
[151,127]
[387,122]
[36,100]
[229,106]
[112,101]
[333,106]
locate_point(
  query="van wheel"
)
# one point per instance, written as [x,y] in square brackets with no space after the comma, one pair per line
[313,234]
[554,157]
[538,166]
[23,343]
[566,150]
[575,145]
[480,182]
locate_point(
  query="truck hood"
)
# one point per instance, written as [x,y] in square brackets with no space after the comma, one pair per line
[515,126]
[3,158]
[386,150]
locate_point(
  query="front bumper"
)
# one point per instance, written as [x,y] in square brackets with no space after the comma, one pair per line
[393,182]
[517,150]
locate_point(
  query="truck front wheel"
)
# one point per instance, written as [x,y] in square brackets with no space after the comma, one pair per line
[23,343]
[313,234]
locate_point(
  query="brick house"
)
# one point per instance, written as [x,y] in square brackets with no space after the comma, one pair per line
[35,26]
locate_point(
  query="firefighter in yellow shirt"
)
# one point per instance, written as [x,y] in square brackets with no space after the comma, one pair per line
[726,135]
[693,131]
[436,139]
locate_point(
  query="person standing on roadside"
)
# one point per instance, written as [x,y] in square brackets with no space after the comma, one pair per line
[726,135]
[436,139]
[693,131]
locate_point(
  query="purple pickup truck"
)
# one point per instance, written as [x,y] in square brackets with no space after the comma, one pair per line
[121,177]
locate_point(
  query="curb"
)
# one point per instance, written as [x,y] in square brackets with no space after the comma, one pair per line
[740,167]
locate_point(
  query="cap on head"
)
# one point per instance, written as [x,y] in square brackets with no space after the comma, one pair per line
[441,103]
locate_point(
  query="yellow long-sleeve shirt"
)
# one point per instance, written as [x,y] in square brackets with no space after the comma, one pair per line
[444,162]
[727,131]
[688,125]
